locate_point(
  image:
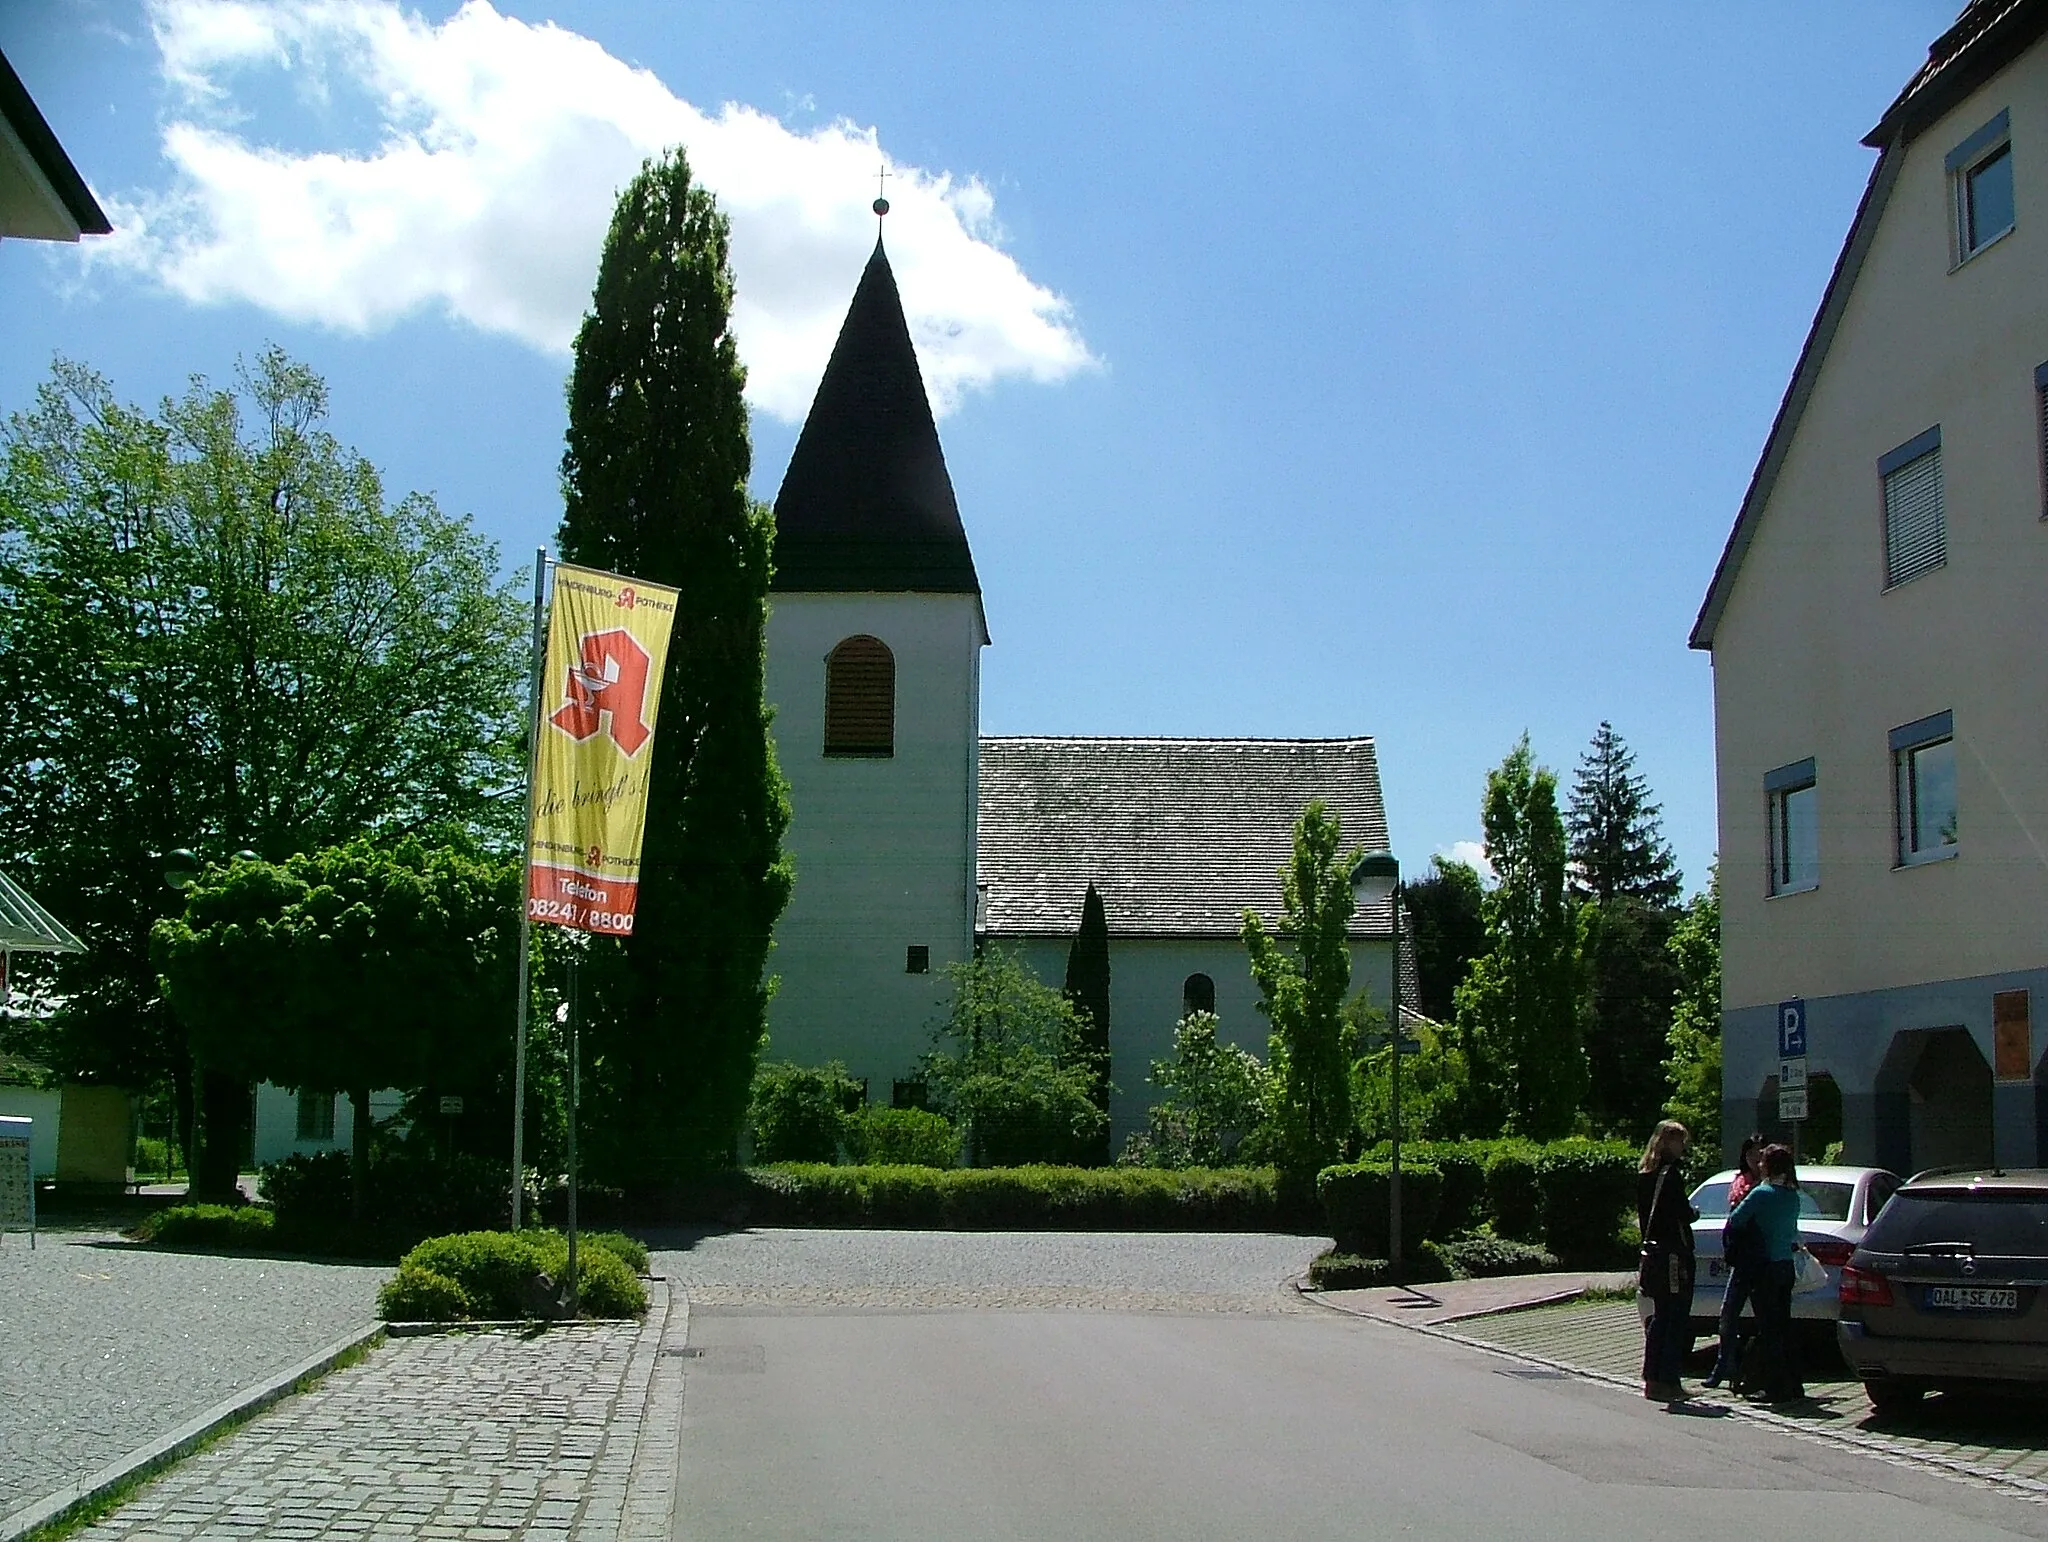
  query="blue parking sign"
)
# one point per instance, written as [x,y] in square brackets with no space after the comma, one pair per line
[1791,1029]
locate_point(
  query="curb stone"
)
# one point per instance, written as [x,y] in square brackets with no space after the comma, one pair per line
[1954,1468]
[180,1441]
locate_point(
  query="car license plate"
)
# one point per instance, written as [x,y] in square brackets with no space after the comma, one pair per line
[1973,1298]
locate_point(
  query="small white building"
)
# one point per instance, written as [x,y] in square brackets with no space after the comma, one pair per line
[914,837]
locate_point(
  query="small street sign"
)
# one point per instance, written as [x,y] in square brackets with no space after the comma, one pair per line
[1791,1104]
[1407,1046]
[1791,1029]
[450,1104]
[1792,1074]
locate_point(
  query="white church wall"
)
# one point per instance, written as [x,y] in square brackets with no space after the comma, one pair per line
[1146,979]
[883,848]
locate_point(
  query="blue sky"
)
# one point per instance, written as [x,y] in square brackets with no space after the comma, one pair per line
[1364,368]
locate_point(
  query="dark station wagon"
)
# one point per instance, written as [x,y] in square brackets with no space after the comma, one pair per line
[1949,1288]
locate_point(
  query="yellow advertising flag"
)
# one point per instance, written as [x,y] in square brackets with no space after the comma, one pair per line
[600,691]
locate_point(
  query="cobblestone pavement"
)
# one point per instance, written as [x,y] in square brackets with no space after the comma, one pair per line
[103,1346]
[1186,1272]
[480,1435]
[2003,1440]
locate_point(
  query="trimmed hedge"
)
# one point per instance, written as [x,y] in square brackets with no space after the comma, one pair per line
[244,1228]
[498,1275]
[413,1194]
[1355,1198]
[1023,1198]
[1336,1270]
[1575,1197]
[1585,1187]
[1483,1258]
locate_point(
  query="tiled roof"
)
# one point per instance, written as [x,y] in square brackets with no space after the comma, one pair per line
[1180,836]
[1987,36]
[866,504]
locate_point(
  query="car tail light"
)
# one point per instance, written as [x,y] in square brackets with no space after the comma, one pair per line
[1864,1287]
[1831,1251]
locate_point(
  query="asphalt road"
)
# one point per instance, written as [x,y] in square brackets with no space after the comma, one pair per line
[905,1423]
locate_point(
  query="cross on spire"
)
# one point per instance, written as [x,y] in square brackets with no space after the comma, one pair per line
[881,190]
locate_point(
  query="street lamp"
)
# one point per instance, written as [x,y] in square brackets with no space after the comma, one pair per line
[1377,878]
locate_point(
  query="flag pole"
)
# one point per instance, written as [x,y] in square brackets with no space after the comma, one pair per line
[534,665]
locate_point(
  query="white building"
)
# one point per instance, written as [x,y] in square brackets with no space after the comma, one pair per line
[914,837]
[1878,638]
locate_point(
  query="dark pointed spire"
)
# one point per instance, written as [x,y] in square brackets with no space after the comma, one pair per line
[866,503]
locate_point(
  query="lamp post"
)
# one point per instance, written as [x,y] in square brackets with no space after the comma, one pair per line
[1377,877]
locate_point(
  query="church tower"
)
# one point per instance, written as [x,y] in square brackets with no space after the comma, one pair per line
[875,634]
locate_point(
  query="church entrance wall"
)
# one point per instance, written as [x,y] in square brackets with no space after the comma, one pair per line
[1148,978]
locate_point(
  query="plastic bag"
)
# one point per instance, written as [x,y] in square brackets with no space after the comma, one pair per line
[1808,1273]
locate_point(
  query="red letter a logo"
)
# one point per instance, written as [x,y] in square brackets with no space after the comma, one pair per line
[610,681]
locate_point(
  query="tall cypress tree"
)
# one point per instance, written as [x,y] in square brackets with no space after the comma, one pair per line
[1088,989]
[655,478]
[1618,846]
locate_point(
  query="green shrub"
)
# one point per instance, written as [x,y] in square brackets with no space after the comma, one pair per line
[495,1272]
[901,1137]
[609,1287]
[414,1192]
[1334,1269]
[1478,1258]
[630,1251]
[1585,1186]
[1037,1198]
[1513,1202]
[415,1294]
[1354,1197]
[246,1228]
[495,1269]
[798,1113]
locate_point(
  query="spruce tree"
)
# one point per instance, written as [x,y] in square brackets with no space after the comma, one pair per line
[655,481]
[1088,989]
[1617,838]
[1629,980]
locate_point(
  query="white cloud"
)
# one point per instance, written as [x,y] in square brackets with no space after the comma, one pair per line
[1472,854]
[502,146]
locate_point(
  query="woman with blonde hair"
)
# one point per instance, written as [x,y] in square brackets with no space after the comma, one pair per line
[1664,1216]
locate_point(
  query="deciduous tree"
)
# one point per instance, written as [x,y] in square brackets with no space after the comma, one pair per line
[655,476]
[1695,1038]
[217,632]
[349,969]
[1517,1008]
[1302,993]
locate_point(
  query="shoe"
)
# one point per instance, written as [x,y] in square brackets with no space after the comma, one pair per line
[1712,1381]
[1663,1392]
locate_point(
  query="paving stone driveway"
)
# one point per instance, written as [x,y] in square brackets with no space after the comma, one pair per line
[104,1346]
[1998,1439]
[484,1435]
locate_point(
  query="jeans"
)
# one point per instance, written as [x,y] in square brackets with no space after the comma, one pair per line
[1667,1339]
[1742,1284]
[1774,1326]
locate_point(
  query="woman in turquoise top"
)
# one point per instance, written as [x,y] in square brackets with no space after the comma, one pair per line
[1772,1207]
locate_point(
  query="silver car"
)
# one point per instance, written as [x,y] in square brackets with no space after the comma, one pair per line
[1836,1204]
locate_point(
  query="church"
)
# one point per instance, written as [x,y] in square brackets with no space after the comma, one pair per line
[916,838]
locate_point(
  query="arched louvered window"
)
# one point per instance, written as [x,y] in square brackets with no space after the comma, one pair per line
[860,698]
[1197,994]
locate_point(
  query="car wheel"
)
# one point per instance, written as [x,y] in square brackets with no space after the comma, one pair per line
[1889,1398]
